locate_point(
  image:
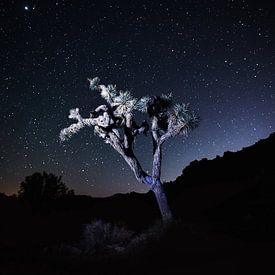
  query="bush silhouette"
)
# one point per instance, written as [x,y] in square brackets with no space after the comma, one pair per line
[42,187]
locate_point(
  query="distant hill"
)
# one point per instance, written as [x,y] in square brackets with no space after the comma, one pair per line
[234,191]
[204,184]
[229,192]
[225,212]
[254,161]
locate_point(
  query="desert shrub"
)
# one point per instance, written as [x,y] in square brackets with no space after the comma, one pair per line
[152,234]
[102,239]
[101,236]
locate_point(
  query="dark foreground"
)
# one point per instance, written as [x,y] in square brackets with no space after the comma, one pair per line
[235,237]
[181,248]
[225,224]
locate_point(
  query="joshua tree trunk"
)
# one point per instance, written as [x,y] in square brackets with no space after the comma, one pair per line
[157,187]
[154,182]
[141,176]
[160,195]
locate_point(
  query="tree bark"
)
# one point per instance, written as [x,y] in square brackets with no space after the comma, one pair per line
[154,180]
[160,195]
[157,187]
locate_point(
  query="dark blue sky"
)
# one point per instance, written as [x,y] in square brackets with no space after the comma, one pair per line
[219,56]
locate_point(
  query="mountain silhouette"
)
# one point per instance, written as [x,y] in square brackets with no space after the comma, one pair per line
[209,190]
[236,192]
[222,204]
[250,162]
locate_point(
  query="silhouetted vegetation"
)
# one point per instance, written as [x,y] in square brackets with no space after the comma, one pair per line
[43,187]
[224,209]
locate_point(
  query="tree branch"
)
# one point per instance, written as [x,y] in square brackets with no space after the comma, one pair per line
[128,137]
[157,157]
[129,157]
[173,129]
[154,129]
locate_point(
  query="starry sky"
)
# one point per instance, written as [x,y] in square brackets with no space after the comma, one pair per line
[219,56]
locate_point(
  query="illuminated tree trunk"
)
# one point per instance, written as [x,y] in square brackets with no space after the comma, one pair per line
[160,195]
[157,187]
[154,184]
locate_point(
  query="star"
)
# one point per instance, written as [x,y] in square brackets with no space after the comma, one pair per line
[228,83]
[27,8]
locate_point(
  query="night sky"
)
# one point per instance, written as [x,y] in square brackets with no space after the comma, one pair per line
[219,56]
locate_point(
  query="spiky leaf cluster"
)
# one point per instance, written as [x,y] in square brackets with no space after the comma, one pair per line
[108,93]
[168,118]
[94,83]
[154,105]
[74,114]
[142,104]
[124,102]
[185,116]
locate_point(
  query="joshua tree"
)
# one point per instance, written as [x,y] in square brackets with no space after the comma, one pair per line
[115,123]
